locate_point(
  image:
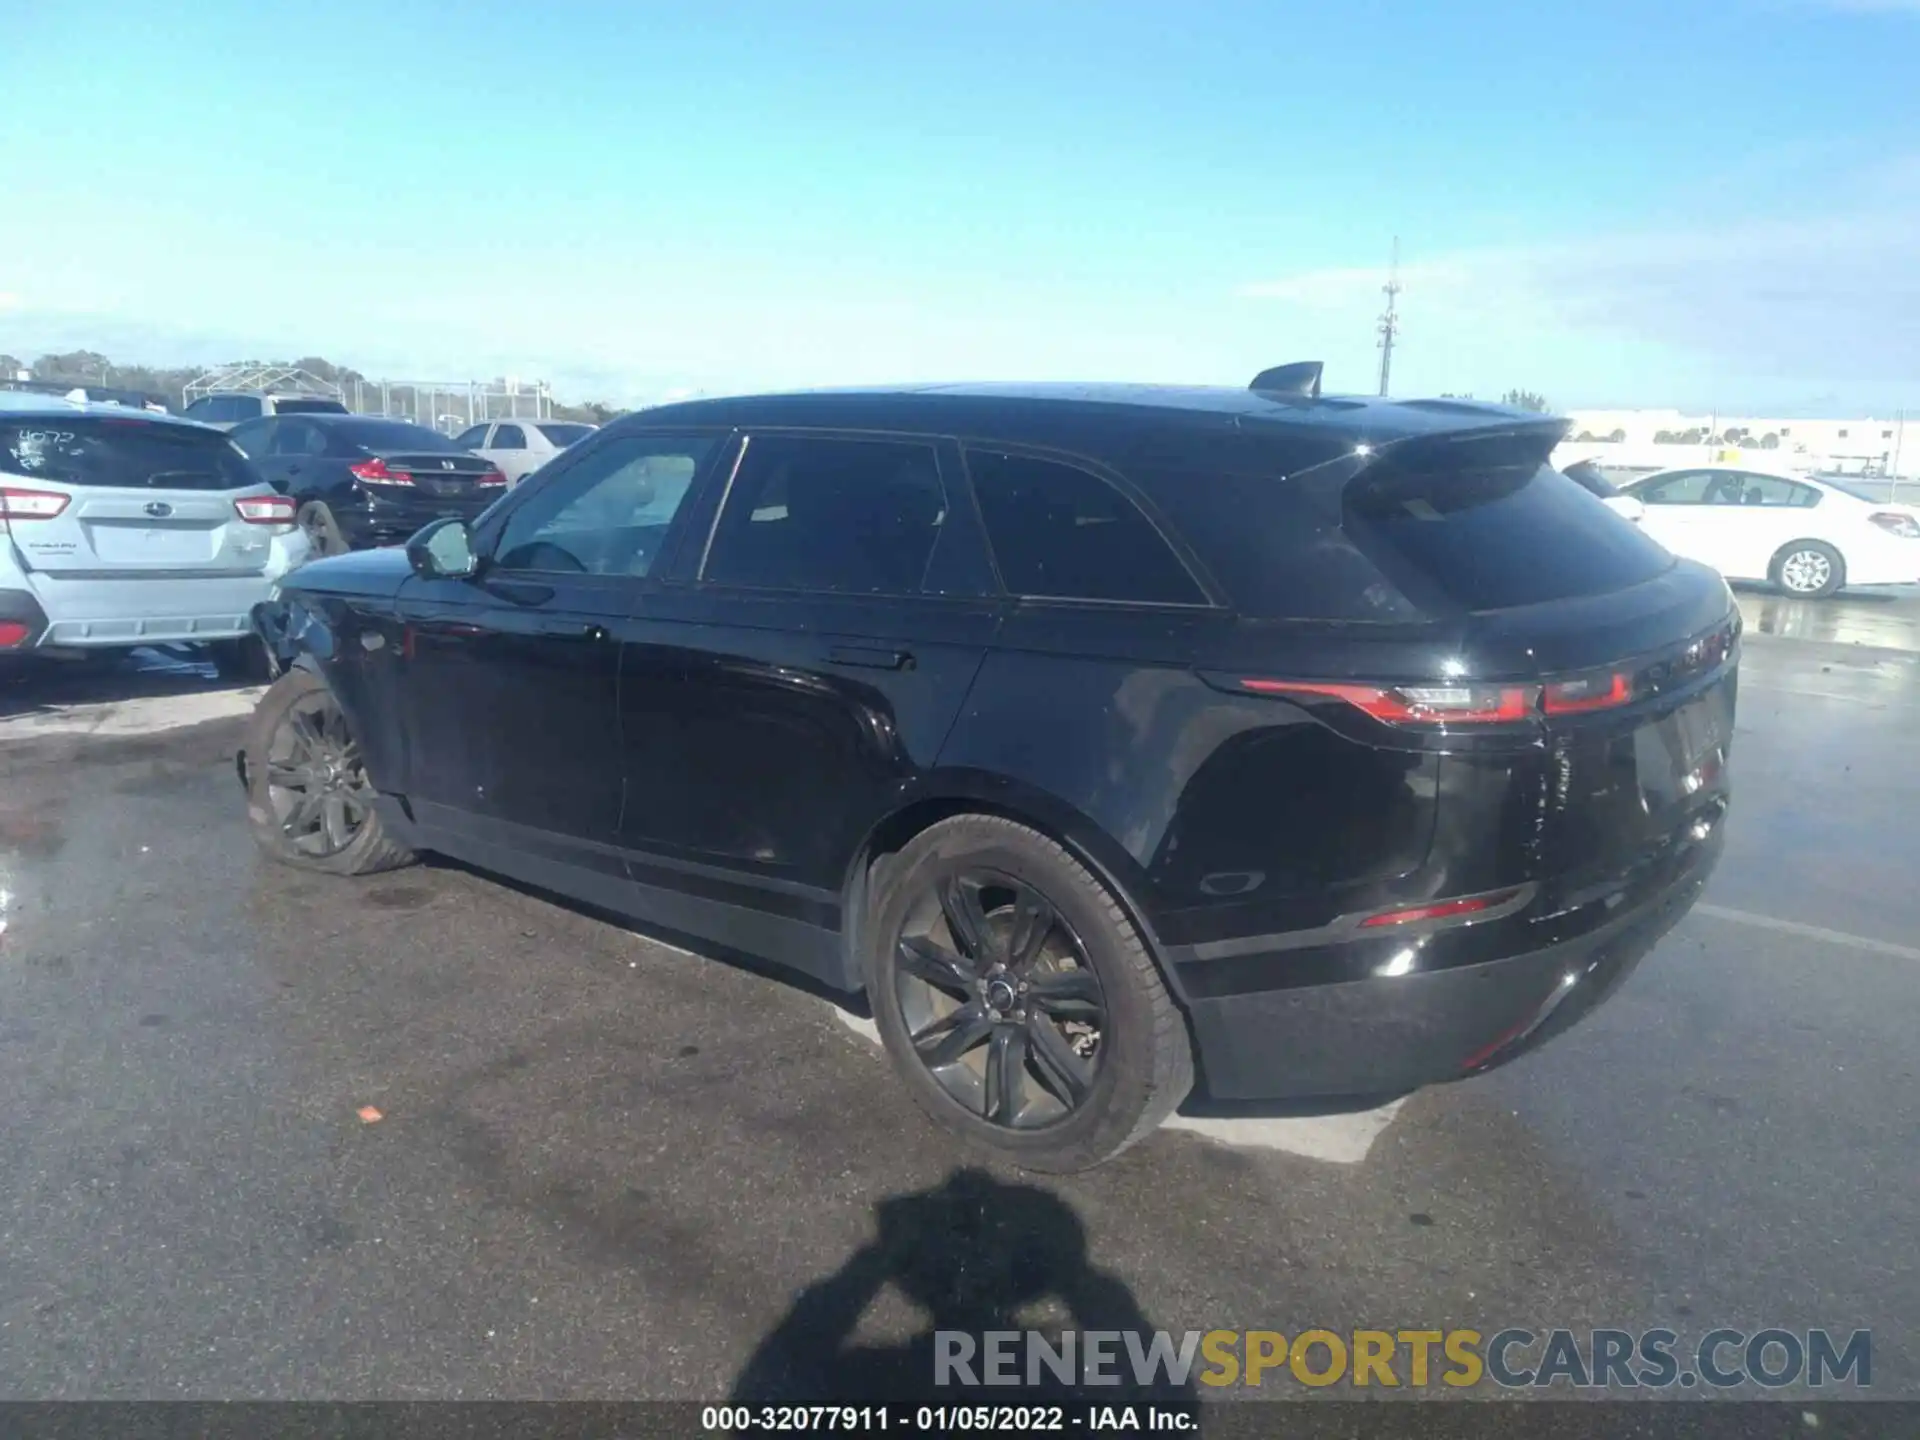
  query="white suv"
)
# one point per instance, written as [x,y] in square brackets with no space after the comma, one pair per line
[121,528]
[234,407]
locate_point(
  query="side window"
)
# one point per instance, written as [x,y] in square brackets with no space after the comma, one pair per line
[201,409]
[1689,487]
[1064,533]
[474,439]
[291,437]
[509,437]
[243,407]
[856,517]
[608,513]
[255,439]
[1772,490]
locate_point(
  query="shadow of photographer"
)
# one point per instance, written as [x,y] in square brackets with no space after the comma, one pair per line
[972,1253]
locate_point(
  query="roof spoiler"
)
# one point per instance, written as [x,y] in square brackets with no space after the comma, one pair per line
[1302,378]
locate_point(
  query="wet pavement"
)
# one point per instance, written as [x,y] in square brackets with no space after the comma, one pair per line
[604,1167]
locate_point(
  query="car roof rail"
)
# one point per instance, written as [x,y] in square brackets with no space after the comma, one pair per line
[1301,378]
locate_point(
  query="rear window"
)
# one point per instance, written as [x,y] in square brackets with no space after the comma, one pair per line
[566,434]
[308,407]
[1489,537]
[392,435]
[128,453]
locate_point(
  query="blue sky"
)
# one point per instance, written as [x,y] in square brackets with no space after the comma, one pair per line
[1696,205]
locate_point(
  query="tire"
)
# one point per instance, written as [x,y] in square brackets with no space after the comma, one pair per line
[358,844]
[1141,1063]
[322,530]
[1814,565]
[244,660]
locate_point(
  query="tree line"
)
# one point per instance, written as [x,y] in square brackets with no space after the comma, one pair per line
[168,384]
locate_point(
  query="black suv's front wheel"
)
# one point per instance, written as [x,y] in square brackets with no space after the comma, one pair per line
[309,800]
[1017,1000]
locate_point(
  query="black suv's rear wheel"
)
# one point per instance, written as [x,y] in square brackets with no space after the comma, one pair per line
[1017,1000]
[309,800]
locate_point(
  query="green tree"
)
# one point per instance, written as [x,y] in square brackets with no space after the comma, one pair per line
[1526,400]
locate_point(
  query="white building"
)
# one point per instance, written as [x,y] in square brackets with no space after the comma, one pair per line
[1661,439]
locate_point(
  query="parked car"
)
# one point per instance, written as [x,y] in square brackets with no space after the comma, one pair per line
[1098,734]
[236,407]
[1808,536]
[1595,481]
[87,390]
[121,528]
[519,447]
[362,480]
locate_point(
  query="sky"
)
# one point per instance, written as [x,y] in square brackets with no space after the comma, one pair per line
[1704,206]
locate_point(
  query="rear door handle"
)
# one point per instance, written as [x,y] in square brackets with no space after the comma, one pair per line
[870,659]
[573,629]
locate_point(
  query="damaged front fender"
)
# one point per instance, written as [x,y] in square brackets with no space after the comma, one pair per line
[290,629]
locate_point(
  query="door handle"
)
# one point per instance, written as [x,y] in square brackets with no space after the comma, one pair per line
[574,629]
[870,659]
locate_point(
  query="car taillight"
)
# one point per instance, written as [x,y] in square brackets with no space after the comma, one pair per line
[1894,523]
[1438,910]
[266,509]
[12,633]
[1417,704]
[375,472]
[492,477]
[1587,692]
[18,504]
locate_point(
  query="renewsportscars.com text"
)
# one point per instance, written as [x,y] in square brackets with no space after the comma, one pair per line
[1512,1359]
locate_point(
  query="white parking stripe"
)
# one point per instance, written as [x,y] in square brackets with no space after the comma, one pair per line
[1809,932]
[144,716]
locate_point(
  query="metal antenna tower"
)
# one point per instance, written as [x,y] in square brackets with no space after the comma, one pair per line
[1389,321]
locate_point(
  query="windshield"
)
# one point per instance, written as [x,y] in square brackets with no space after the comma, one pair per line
[393,435]
[309,407]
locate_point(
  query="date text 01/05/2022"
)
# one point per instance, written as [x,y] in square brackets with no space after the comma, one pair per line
[945,1419]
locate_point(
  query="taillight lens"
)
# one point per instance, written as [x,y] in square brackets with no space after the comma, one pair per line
[492,477]
[266,509]
[12,633]
[1439,910]
[1894,523]
[1600,691]
[1418,704]
[375,472]
[16,504]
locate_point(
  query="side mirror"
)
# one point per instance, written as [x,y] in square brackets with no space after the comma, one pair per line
[443,551]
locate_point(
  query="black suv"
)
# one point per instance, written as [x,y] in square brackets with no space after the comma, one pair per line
[1101,735]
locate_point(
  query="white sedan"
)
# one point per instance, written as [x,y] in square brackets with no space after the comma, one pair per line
[1809,537]
[519,447]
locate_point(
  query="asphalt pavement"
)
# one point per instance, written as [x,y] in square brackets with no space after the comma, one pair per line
[425,1135]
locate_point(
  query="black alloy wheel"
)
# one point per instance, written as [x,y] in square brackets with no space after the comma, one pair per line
[316,781]
[1001,1003]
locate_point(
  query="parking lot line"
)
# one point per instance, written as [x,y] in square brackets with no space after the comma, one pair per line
[1809,932]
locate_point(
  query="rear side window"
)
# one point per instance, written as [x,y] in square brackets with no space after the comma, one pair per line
[1490,536]
[1060,532]
[130,454]
[229,408]
[857,517]
[564,435]
[509,437]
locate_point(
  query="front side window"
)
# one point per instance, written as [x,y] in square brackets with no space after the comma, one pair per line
[1689,487]
[230,408]
[609,513]
[509,437]
[857,517]
[255,438]
[1060,532]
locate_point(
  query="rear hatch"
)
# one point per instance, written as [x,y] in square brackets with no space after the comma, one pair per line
[1570,671]
[90,496]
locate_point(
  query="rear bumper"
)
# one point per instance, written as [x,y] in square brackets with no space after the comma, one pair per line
[17,607]
[378,521]
[1395,1034]
[115,613]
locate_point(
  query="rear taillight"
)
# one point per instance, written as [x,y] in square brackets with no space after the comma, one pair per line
[1417,704]
[1894,523]
[1601,691]
[12,633]
[30,504]
[1439,910]
[266,509]
[375,472]
[491,477]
